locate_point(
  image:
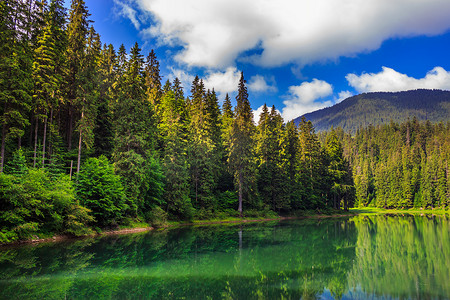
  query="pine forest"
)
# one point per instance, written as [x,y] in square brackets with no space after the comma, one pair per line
[92,137]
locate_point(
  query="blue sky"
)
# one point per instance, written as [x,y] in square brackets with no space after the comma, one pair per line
[299,55]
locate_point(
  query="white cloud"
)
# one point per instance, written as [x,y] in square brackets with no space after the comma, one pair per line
[389,80]
[342,96]
[128,12]
[259,84]
[215,33]
[302,98]
[223,82]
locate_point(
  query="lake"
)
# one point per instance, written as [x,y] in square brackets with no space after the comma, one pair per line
[376,257]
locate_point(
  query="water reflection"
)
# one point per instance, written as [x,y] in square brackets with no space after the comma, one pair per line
[401,257]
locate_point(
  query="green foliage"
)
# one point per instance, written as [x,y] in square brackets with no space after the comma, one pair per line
[157,217]
[152,189]
[241,146]
[18,165]
[39,204]
[400,165]
[100,190]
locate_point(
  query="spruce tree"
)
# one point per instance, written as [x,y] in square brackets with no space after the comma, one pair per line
[77,31]
[201,150]
[241,157]
[15,73]
[88,93]
[134,133]
[48,68]
[103,131]
[290,163]
[172,128]
[272,178]
[313,173]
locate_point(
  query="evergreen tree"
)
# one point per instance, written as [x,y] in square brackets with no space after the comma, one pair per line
[77,32]
[312,166]
[241,157]
[88,93]
[153,78]
[201,153]
[48,68]
[290,153]
[103,131]
[172,128]
[339,173]
[15,71]
[134,133]
[272,178]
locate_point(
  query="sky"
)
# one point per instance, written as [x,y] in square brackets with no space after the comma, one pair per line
[299,55]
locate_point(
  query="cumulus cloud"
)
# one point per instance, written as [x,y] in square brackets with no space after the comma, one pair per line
[389,80]
[215,33]
[302,98]
[342,96]
[125,10]
[258,84]
[223,82]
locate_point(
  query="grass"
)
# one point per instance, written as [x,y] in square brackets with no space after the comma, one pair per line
[412,211]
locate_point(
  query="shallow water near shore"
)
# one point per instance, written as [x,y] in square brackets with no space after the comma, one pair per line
[378,257]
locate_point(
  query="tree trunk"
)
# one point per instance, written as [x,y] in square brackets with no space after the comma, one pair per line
[35,141]
[240,194]
[334,200]
[79,144]
[50,137]
[69,134]
[44,141]
[2,159]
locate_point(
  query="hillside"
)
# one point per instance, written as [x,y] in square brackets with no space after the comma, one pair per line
[382,107]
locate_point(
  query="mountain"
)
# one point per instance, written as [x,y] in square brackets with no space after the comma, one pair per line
[382,107]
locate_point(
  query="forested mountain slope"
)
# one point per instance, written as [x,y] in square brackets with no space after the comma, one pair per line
[381,108]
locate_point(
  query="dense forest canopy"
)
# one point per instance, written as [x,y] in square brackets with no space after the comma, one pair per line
[382,107]
[400,165]
[92,138]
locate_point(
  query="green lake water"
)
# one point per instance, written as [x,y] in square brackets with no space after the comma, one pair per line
[375,257]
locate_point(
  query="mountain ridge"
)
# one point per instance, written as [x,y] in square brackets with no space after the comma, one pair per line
[382,107]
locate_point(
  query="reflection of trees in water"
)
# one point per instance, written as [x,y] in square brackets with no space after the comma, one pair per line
[267,260]
[402,257]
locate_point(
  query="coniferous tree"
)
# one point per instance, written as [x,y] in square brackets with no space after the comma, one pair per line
[240,155]
[88,93]
[172,128]
[15,71]
[134,134]
[103,131]
[201,156]
[312,171]
[272,178]
[48,68]
[339,173]
[291,164]
[77,32]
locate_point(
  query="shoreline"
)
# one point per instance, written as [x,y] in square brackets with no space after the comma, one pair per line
[109,232]
[63,237]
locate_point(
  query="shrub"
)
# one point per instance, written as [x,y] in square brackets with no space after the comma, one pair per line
[101,191]
[157,217]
